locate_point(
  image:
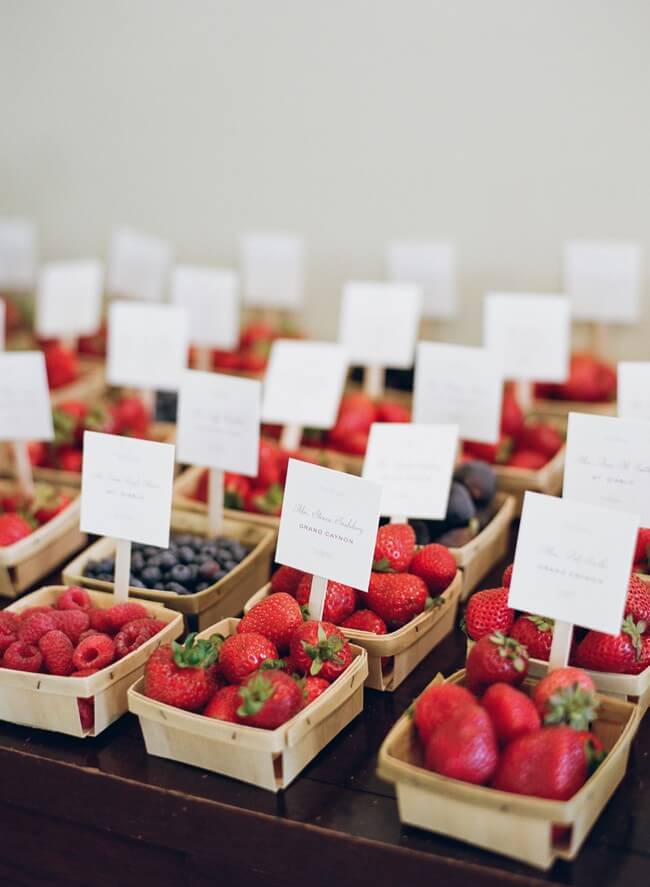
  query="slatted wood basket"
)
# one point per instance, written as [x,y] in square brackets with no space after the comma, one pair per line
[89,385]
[516,481]
[560,409]
[488,547]
[184,487]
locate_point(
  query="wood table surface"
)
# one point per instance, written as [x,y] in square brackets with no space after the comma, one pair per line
[101,812]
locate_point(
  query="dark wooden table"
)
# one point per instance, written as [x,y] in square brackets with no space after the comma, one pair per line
[102,813]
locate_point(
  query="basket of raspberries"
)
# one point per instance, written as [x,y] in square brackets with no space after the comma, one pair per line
[68,656]
[256,698]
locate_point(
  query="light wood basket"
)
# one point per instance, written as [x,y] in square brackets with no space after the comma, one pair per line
[393,656]
[516,481]
[184,487]
[270,759]
[514,825]
[90,384]
[49,702]
[28,560]
[225,598]
[560,409]
[487,548]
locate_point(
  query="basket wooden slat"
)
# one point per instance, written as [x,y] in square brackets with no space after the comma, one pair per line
[488,547]
[516,481]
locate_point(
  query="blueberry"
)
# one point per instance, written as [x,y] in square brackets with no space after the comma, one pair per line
[160,586]
[167,560]
[105,565]
[104,577]
[197,543]
[91,568]
[202,586]
[134,582]
[239,551]
[208,551]
[177,587]
[183,539]
[181,573]
[151,575]
[229,565]
[137,562]
[209,570]
[186,554]
[150,551]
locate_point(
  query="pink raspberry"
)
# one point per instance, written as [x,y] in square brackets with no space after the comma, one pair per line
[97,652]
[134,634]
[120,614]
[36,625]
[100,620]
[74,598]
[88,633]
[32,611]
[86,713]
[56,649]
[9,622]
[73,623]
[84,672]
[22,657]
[7,637]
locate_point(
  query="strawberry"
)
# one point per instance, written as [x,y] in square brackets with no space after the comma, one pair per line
[73,623]
[269,699]
[48,503]
[61,365]
[340,600]
[488,611]
[388,411]
[313,687]
[254,360]
[276,617]
[134,634]
[86,713]
[642,545]
[512,415]
[225,360]
[32,629]
[640,665]
[535,633]
[265,500]
[254,332]
[96,651]
[242,654]
[464,747]
[490,453]
[236,490]
[396,597]
[496,659]
[319,648]
[357,412]
[68,420]
[268,472]
[74,598]
[566,696]
[69,458]
[613,653]
[356,443]
[200,493]
[512,713]
[436,565]
[21,656]
[637,604]
[550,763]
[224,705]
[394,548]
[436,705]
[286,579]
[13,528]
[56,649]
[119,614]
[507,576]
[182,675]
[541,438]
[365,620]
[528,459]
[130,416]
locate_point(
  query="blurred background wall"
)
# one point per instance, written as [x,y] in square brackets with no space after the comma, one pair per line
[505,125]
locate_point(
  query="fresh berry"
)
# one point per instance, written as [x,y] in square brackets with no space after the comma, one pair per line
[56,649]
[236,490]
[86,713]
[84,672]
[642,546]
[494,659]
[276,617]
[642,662]
[566,696]
[396,597]
[527,459]
[242,654]
[182,675]
[464,747]
[134,634]
[100,620]
[224,704]
[436,565]
[13,528]
[436,705]
[269,699]
[69,459]
[319,648]
[365,620]
[513,714]
[48,504]
[512,415]
[61,365]
[88,633]
[74,598]
[286,579]
[340,600]
[394,548]
[541,437]
[488,611]
[73,623]
[97,651]
[7,637]
[507,576]
[313,687]
[637,604]
[21,656]
[9,622]
[612,653]
[34,627]
[120,614]
[536,634]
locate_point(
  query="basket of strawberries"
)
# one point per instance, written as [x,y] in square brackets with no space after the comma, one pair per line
[590,388]
[69,376]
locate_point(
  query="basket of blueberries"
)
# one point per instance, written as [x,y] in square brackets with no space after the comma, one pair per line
[204,577]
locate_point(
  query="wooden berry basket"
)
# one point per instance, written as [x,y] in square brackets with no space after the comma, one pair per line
[545,480]
[225,597]
[49,702]
[89,385]
[30,559]
[517,826]
[404,648]
[270,759]
[186,483]
[560,409]
[487,548]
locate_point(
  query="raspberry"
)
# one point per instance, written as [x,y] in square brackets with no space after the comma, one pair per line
[84,672]
[22,657]
[88,633]
[74,598]
[32,611]
[86,712]
[9,622]
[134,634]
[56,649]
[73,623]
[120,614]
[100,620]
[97,652]
[7,637]
[35,626]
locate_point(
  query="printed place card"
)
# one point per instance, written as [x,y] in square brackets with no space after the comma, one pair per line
[379,323]
[147,345]
[607,463]
[328,525]
[432,267]
[17,255]
[218,422]
[138,265]
[573,562]
[413,464]
[272,267]
[211,297]
[69,299]
[530,334]
[460,385]
[633,395]
[603,280]
[304,383]
[126,488]
[25,412]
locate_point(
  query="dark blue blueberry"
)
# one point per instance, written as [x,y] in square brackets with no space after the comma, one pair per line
[181,573]
[177,587]
[167,560]
[151,575]
[186,554]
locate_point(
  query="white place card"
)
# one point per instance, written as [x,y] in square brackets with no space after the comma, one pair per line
[633,396]
[530,334]
[460,385]
[147,345]
[126,488]
[25,412]
[17,255]
[69,299]
[379,323]
[218,422]
[413,464]
[304,383]
[431,266]
[607,463]
[573,562]
[272,268]
[603,280]
[138,265]
[211,297]
[328,525]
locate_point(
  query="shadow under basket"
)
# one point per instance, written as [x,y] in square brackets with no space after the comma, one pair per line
[49,702]
[533,830]
[270,759]
[392,657]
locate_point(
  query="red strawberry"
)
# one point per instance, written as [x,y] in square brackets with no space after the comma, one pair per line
[256,331]
[541,438]
[566,696]
[130,416]
[340,600]
[396,597]
[276,617]
[182,676]
[527,459]
[496,659]
[536,634]
[642,545]
[48,504]
[640,665]
[200,493]
[56,649]
[488,611]
[61,365]
[436,565]
[68,419]
[73,623]
[365,620]
[265,500]
[225,360]
[513,714]
[242,654]
[313,687]
[119,614]
[32,629]
[13,528]
[74,598]
[86,713]
[613,653]
[286,579]
[436,705]
[355,444]
[491,453]
[134,634]
[20,656]
[69,459]
[464,747]
[37,452]
[637,604]
[236,490]
[512,415]
[269,699]
[268,472]
[507,576]
[388,411]
[253,360]
[394,548]
[319,648]
[96,651]
[356,414]
[224,704]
